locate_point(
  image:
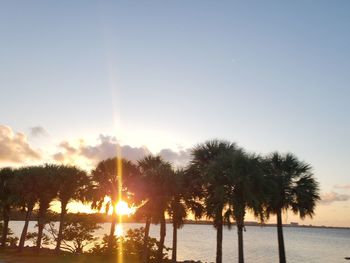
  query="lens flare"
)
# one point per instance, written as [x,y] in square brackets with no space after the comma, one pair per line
[120,188]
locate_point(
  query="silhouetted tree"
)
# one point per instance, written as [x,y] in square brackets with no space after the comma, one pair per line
[27,186]
[244,188]
[71,184]
[213,186]
[8,199]
[47,188]
[143,195]
[184,199]
[294,187]
[156,175]
[110,179]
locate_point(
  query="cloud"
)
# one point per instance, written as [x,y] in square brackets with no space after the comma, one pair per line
[108,147]
[14,147]
[180,158]
[67,147]
[66,153]
[38,131]
[59,157]
[344,186]
[328,198]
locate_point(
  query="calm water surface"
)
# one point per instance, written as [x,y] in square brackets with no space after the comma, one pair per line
[198,242]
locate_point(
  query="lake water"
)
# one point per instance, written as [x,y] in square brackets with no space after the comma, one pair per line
[198,242]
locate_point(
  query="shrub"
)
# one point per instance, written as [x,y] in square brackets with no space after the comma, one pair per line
[132,244]
[11,240]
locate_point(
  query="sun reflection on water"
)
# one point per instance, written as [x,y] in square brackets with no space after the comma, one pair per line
[119,230]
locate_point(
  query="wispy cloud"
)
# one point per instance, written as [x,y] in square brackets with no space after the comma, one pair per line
[344,186]
[328,198]
[14,147]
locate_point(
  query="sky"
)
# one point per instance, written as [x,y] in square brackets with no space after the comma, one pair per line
[78,78]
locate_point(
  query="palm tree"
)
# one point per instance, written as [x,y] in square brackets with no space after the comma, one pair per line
[243,190]
[143,196]
[7,199]
[27,190]
[294,187]
[46,191]
[213,187]
[184,198]
[156,177]
[108,179]
[71,182]
[140,186]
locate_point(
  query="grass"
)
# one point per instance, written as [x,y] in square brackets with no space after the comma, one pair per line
[13,256]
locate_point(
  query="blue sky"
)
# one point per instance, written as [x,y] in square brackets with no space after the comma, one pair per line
[269,75]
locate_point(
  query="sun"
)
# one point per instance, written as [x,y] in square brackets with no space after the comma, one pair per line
[122,208]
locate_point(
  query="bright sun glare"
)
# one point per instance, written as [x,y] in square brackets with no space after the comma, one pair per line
[122,208]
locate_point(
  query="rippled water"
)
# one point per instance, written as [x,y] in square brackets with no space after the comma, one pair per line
[198,242]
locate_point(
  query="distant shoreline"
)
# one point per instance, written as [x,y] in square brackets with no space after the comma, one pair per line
[252,223]
[206,222]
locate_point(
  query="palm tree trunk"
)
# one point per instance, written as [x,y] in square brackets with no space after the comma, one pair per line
[162,238]
[40,233]
[25,229]
[6,219]
[111,233]
[281,251]
[145,252]
[174,252]
[240,243]
[61,227]
[219,239]
[41,224]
